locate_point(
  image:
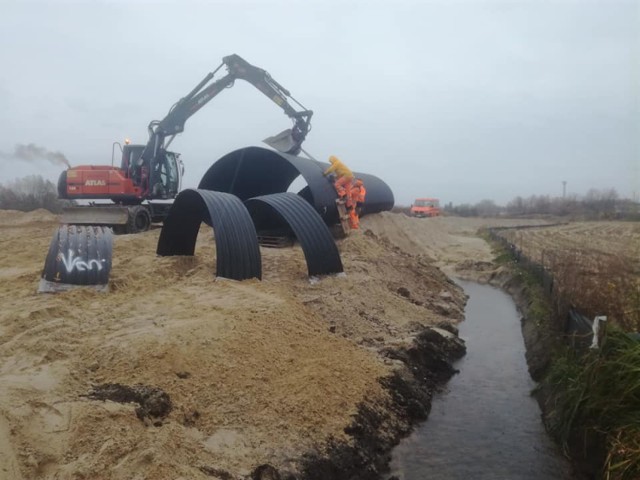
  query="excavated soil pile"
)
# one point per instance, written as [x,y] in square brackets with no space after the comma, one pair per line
[254,374]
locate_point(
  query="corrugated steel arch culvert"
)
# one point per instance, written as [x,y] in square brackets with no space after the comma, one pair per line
[320,250]
[255,171]
[237,250]
[78,255]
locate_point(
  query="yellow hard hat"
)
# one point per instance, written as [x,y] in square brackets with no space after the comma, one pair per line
[333,159]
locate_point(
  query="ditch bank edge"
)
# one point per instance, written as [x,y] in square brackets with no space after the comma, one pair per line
[377,427]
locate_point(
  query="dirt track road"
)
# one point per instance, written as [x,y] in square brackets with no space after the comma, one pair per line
[256,371]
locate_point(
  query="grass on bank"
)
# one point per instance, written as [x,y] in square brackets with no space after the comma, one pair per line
[596,394]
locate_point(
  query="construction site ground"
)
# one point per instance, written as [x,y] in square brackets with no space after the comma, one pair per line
[257,371]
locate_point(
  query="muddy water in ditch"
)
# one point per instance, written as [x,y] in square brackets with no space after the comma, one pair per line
[485,425]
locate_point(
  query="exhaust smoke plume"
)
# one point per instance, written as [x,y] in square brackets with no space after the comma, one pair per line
[33,153]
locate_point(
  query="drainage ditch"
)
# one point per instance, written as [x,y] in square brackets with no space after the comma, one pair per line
[486,425]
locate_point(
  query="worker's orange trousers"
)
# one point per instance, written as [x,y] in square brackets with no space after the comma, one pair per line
[354,221]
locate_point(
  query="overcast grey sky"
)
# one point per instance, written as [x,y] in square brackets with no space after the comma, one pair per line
[459,100]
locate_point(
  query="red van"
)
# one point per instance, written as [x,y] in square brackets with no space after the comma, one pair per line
[425,207]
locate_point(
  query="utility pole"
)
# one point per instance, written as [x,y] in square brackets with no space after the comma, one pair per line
[564,189]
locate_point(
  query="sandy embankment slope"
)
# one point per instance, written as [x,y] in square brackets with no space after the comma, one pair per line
[256,371]
[452,242]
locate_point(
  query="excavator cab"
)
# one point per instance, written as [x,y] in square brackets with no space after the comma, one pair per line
[166,172]
[130,160]
[158,177]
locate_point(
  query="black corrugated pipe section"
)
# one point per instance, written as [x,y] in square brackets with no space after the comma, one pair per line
[237,250]
[79,255]
[255,171]
[320,250]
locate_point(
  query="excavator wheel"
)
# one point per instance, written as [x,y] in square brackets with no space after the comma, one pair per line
[139,219]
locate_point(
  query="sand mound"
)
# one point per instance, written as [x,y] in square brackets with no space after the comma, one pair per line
[16,217]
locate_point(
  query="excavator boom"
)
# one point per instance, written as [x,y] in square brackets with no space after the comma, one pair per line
[201,94]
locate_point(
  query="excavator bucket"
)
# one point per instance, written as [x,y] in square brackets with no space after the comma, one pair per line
[95,215]
[283,142]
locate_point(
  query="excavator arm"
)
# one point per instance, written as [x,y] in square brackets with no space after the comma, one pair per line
[237,68]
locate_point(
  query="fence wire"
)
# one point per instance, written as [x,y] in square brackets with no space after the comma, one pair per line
[573,323]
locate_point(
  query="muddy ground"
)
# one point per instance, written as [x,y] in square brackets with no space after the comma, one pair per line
[279,371]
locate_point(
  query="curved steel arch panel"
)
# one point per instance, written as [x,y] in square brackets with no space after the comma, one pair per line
[237,250]
[320,250]
[255,171]
[78,255]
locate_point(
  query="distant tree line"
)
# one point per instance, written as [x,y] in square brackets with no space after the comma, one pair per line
[596,204]
[30,193]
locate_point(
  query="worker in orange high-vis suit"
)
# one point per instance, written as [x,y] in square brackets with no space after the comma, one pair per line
[362,194]
[344,177]
[355,202]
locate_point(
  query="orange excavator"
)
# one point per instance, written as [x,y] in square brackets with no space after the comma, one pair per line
[140,191]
